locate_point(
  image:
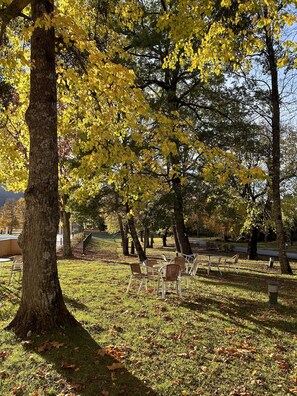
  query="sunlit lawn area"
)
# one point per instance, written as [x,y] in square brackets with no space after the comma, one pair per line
[223,338]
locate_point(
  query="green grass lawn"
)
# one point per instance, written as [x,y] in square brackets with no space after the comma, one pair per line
[223,338]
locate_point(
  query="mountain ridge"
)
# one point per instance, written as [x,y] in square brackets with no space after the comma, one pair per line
[5,195]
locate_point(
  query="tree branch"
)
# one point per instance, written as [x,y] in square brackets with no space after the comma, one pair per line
[13,10]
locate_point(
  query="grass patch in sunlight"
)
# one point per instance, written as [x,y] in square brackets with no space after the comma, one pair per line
[223,338]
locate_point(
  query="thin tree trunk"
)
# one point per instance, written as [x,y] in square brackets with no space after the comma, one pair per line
[134,236]
[183,240]
[65,215]
[132,248]
[177,247]
[42,307]
[277,211]
[146,237]
[164,239]
[67,250]
[124,235]
[252,245]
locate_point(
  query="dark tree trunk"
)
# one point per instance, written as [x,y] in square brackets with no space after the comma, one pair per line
[132,248]
[124,235]
[65,215]
[252,245]
[67,250]
[134,236]
[183,240]
[164,239]
[225,234]
[277,211]
[146,237]
[177,247]
[42,307]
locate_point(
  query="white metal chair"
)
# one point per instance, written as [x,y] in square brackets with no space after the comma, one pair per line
[233,261]
[214,261]
[184,269]
[152,272]
[16,268]
[170,273]
[191,274]
[138,275]
[189,258]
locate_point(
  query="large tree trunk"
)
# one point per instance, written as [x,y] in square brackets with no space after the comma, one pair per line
[42,307]
[277,211]
[65,215]
[252,245]
[182,237]
[124,235]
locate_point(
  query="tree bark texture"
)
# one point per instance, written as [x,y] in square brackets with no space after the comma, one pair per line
[132,248]
[42,307]
[183,240]
[146,237]
[124,235]
[135,239]
[164,239]
[252,245]
[177,247]
[275,104]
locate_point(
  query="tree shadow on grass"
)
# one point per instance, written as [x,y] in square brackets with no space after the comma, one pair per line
[75,304]
[11,294]
[242,311]
[88,369]
[253,282]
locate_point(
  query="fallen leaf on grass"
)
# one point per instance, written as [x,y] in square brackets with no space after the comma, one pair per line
[56,344]
[101,352]
[293,390]
[4,374]
[113,351]
[4,354]
[183,355]
[232,353]
[77,387]
[284,366]
[19,390]
[105,393]
[70,366]
[177,336]
[115,366]
[48,345]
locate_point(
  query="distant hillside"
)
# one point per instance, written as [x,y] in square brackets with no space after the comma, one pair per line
[4,195]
